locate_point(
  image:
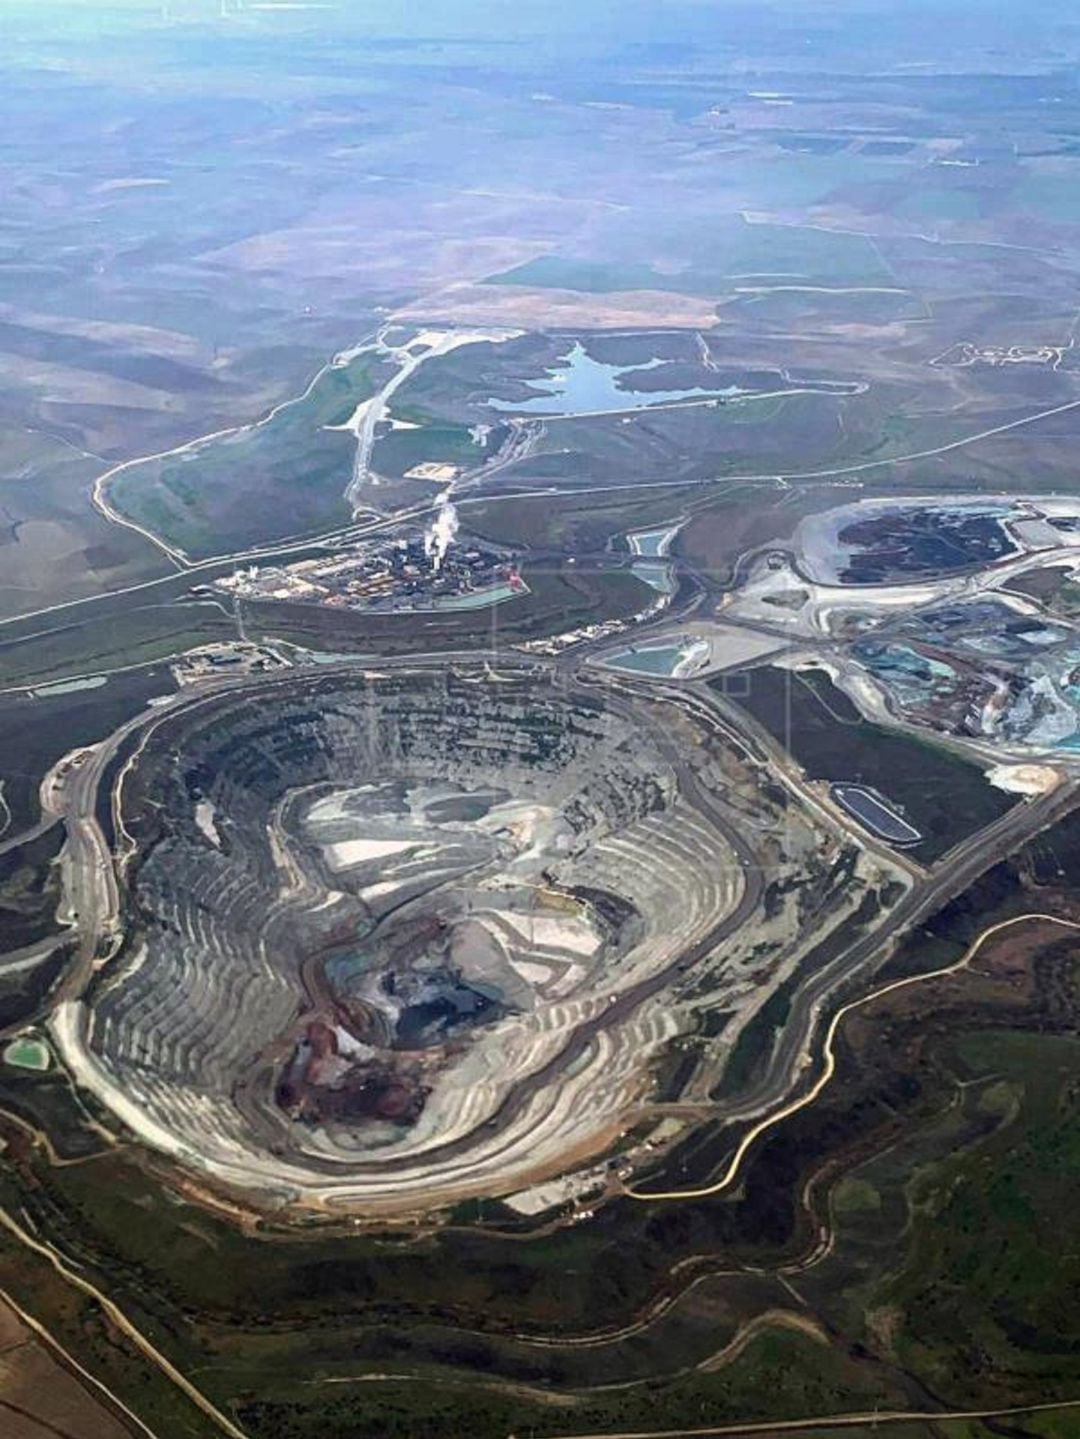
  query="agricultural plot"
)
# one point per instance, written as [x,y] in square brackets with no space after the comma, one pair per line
[53,545]
[40,1396]
[430,1027]
[720,257]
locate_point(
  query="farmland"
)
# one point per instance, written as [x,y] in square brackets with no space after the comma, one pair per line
[539,719]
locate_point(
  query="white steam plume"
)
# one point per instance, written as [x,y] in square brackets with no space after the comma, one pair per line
[440,536]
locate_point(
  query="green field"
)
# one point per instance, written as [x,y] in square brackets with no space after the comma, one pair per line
[979,1287]
[136,635]
[577,523]
[285,476]
[1050,196]
[435,441]
[939,202]
[953,1267]
[945,797]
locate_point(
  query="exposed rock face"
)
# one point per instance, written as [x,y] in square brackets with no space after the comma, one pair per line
[368,911]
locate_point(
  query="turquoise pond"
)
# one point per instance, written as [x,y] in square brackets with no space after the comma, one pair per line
[659,661]
[477,599]
[655,573]
[902,661]
[652,544]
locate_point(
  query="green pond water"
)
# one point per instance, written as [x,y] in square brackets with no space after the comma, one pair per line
[27,1054]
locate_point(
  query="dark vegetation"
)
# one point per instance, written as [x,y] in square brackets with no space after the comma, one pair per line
[136,635]
[29,891]
[945,797]
[991,1175]
[40,730]
[24,992]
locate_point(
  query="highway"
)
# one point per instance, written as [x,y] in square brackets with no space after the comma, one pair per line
[866,1421]
[95,896]
[792,1059]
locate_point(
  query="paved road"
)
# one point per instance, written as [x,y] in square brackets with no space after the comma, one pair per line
[97,900]
[866,1421]
[949,877]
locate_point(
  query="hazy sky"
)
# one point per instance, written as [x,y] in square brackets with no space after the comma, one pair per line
[1001,33]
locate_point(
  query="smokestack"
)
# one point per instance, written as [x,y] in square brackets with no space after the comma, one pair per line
[440,536]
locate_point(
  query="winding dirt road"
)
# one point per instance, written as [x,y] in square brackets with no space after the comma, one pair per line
[752,1135]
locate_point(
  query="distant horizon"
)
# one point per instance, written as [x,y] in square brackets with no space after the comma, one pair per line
[539,718]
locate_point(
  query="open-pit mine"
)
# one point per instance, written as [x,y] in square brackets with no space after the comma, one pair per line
[382,940]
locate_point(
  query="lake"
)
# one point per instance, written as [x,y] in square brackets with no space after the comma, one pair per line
[588,386]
